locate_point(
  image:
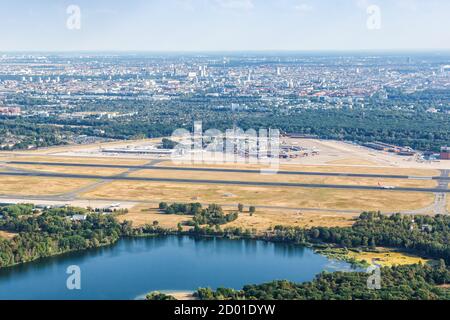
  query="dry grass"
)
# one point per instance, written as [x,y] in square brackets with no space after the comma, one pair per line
[83,160]
[388,201]
[7,235]
[261,221]
[234,176]
[265,219]
[11,185]
[84,147]
[387,257]
[143,214]
[315,168]
[72,170]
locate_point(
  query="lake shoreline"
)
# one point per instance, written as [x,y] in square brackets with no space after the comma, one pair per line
[162,264]
[181,295]
[330,251]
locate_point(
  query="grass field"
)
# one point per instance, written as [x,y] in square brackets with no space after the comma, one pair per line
[143,214]
[29,186]
[262,220]
[265,219]
[72,170]
[229,176]
[388,201]
[387,257]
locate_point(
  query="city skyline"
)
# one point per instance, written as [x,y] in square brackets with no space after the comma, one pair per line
[224,150]
[225,25]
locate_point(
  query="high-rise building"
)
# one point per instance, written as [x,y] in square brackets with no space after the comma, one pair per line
[203,72]
[445,69]
[278,71]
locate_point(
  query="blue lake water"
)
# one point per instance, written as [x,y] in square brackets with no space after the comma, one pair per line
[133,267]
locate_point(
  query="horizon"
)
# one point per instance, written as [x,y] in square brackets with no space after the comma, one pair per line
[262,51]
[224,25]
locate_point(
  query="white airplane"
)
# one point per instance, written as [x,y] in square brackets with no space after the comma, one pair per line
[386,187]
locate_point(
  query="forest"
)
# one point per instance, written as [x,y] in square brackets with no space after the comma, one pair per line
[52,232]
[401,120]
[21,134]
[415,282]
[425,235]
[43,233]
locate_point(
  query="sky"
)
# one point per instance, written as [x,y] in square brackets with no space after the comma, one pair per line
[224,25]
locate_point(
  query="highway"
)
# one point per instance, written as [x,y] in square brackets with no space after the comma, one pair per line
[151,167]
[221,182]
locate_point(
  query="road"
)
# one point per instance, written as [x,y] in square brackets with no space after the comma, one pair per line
[439,206]
[64,199]
[151,166]
[221,182]
[440,203]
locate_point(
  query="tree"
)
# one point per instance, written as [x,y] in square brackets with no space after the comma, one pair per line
[400,283]
[127,227]
[240,207]
[252,210]
[163,205]
[159,296]
[168,144]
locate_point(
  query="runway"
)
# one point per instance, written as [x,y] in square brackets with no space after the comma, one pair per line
[152,167]
[221,182]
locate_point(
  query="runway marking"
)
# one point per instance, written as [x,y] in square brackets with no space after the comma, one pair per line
[221,182]
[152,167]
[423,178]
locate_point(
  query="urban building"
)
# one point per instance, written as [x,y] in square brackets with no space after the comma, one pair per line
[445,153]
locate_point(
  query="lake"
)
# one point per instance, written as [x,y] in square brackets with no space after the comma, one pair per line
[135,266]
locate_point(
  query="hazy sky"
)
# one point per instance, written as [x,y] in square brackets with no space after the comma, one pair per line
[216,25]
